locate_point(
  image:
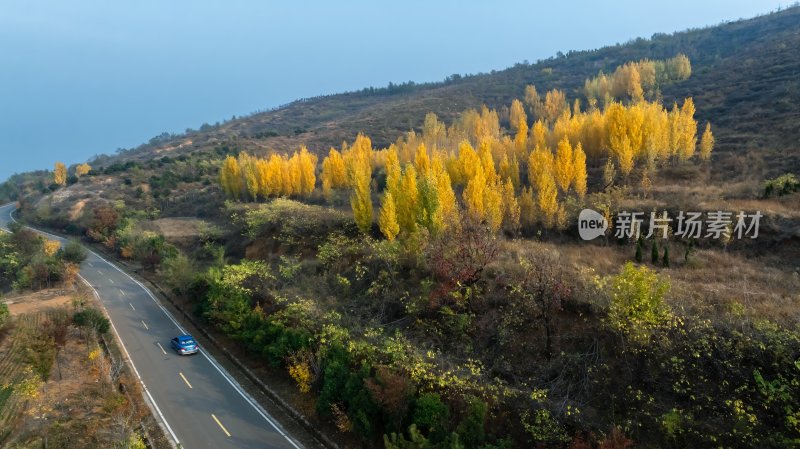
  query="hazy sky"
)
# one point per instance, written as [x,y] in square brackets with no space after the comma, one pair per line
[78,78]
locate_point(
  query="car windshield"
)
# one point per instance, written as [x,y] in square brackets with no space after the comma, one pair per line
[187,342]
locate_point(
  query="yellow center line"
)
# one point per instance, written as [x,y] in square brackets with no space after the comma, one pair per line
[161,348]
[145,325]
[220,425]
[187,383]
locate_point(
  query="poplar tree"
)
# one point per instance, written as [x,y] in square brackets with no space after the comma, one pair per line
[706,143]
[359,174]
[387,219]
[408,200]
[230,177]
[579,170]
[517,116]
[564,165]
[547,198]
[60,174]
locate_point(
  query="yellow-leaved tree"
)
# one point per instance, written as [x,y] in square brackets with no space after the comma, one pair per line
[308,167]
[230,178]
[563,165]
[334,175]
[387,219]
[517,116]
[547,198]
[408,200]
[706,143]
[82,169]
[579,170]
[60,174]
[511,207]
[540,163]
[359,174]
[687,140]
[474,195]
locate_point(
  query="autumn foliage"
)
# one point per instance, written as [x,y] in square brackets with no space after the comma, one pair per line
[503,177]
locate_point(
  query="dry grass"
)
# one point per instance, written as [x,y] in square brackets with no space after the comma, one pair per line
[36,301]
[713,282]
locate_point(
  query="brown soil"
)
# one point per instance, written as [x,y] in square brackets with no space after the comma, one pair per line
[37,301]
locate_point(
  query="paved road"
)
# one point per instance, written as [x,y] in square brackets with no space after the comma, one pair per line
[201,405]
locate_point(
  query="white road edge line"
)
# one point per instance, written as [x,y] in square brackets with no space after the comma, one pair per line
[151,401]
[130,360]
[213,362]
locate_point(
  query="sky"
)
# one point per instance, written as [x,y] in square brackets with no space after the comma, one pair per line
[87,77]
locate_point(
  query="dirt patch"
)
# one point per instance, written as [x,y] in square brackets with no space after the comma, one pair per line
[37,301]
[182,232]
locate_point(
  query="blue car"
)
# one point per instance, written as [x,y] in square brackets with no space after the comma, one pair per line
[184,344]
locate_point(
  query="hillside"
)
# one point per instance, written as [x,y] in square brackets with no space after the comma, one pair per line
[427,284]
[746,80]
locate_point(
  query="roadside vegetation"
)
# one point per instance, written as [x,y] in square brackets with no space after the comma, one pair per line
[427,289]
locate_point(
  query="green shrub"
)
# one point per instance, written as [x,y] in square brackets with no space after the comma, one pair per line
[782,185]
[4,314]
[72,252]
[471,430]
[93,319]
[430,413]
[637,302]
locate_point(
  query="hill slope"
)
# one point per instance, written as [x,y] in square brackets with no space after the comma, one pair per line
[746,81]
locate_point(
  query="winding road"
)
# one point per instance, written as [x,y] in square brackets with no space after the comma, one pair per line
[197,401]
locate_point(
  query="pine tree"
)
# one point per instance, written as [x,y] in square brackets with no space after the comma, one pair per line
[563,165]
[60,174]
[665,260]
[706,143]
[654,252]
[387,220]
[579,167]
[638,255]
